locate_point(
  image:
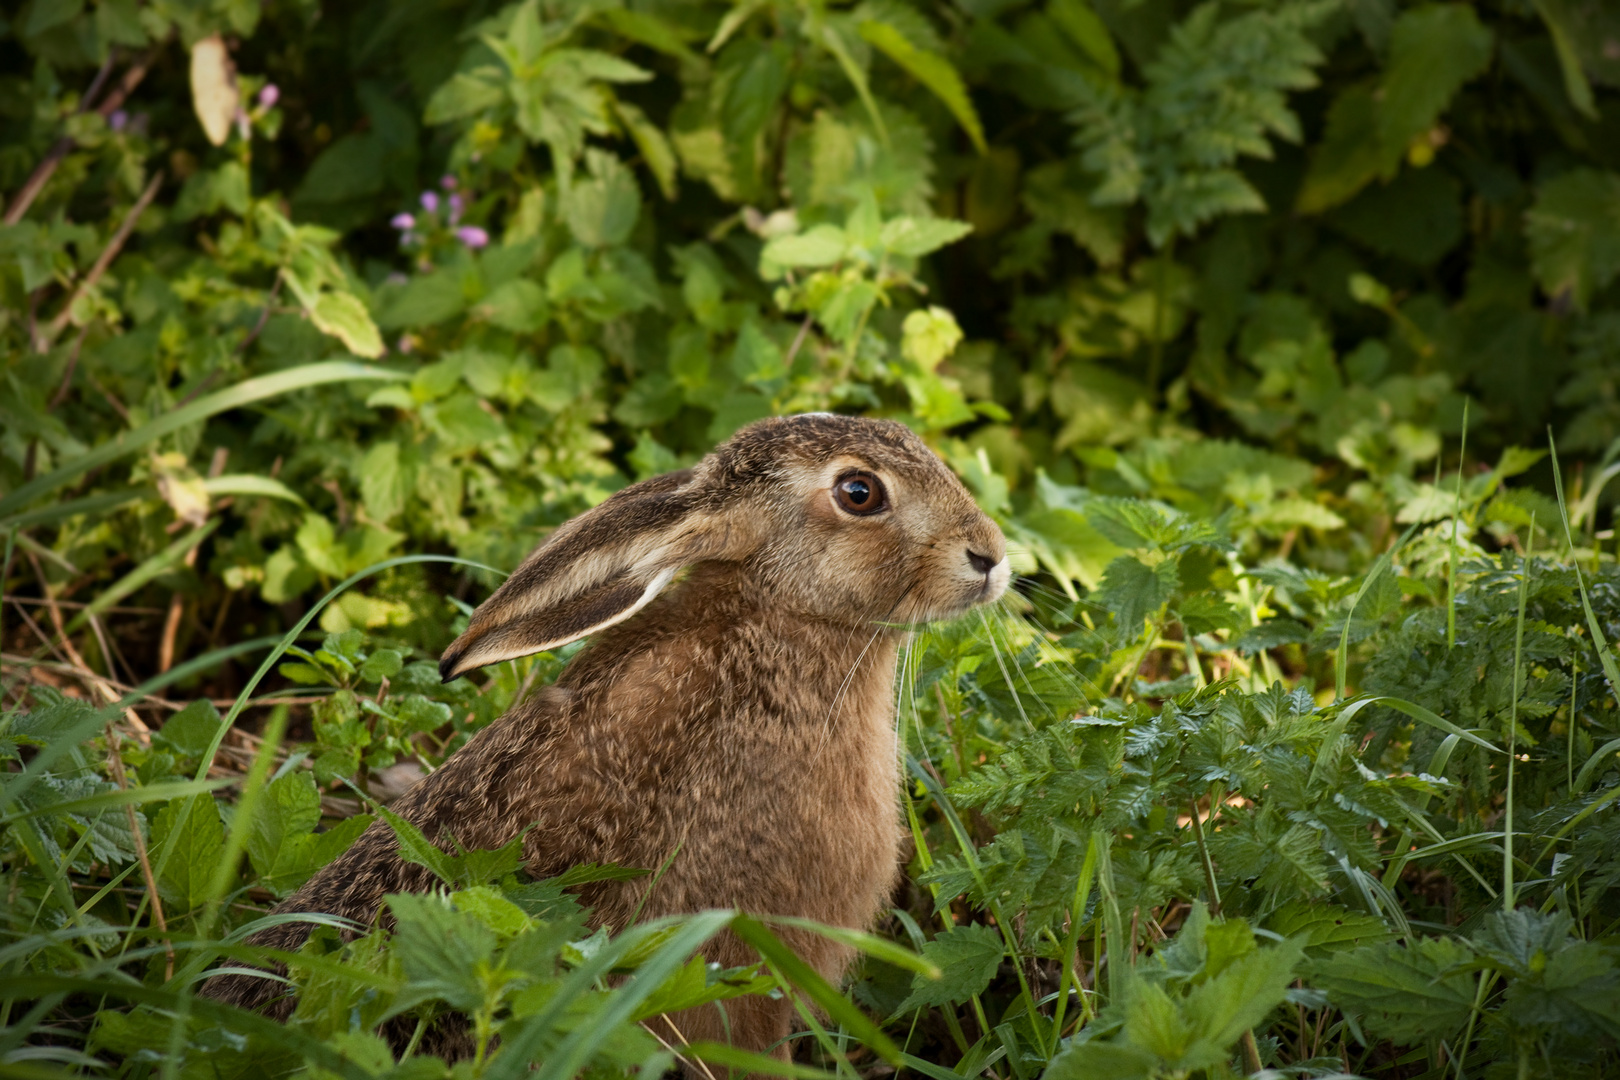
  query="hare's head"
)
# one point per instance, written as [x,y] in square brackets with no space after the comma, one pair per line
[835,518]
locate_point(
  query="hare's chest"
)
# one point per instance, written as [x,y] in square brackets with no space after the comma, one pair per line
[810,821]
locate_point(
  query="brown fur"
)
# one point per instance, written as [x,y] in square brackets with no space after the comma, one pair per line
[745,716]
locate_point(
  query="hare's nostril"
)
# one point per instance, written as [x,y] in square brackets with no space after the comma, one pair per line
[982,563]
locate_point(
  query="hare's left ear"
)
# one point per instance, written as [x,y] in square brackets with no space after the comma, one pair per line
[597,569]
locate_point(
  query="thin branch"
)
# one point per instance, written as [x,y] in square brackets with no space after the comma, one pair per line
[104,260]
[65,145]
[115,763]
[67,376]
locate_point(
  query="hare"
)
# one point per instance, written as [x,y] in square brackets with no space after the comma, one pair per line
[743,719]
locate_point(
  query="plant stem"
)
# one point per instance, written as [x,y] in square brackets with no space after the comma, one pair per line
[1451,556]
[1513,717]
[1203,854]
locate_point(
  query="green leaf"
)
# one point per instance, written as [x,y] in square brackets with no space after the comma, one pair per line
[1406,993]
[382,482]
[190,732]
[249,485]
[967,958]
[415,848]
[1324,929]
[913,238]
[1099,1060]
[426,300]
[442,948]
[191,832]
[1434,49]
[519,306]
[755,89]
[382,664]
[1574,233]
[602,210]
[283,847]
[756,358]
[464,94]
[655,147]
[343,316]
[1133,590]
[822,245]
[1086,30]
[1236,1000]
[652,31]
[933,71]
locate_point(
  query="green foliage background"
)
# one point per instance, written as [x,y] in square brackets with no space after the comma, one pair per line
[1239,316]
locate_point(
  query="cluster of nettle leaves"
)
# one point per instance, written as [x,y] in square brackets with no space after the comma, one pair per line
[1191,295]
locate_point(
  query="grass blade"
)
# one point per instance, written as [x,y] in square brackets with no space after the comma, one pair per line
[1611,670]
[243,393]
[1341,654]
[1419,713]
[819,990]
[870,944]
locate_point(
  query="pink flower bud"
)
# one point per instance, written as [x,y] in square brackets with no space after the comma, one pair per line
[472,236]
[403,221]
[269,96]
[455,208]
[448,182]
[430,202]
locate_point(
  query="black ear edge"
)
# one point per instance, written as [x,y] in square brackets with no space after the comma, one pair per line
[582,615]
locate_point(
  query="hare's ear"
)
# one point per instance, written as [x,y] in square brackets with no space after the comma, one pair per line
[596,570]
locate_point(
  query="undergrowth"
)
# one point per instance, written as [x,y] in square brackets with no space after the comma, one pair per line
[1295,747]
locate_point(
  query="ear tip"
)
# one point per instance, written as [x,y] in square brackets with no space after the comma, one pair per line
[449,666]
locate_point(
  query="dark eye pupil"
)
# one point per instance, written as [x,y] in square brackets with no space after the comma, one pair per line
[858,491]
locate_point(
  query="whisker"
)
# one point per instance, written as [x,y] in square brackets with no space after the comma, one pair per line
[1000,663]
[1055,662]
[826,731]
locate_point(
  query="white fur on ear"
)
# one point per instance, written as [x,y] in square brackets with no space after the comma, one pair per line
[494,648]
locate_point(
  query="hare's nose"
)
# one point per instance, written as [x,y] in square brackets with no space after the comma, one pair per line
[981,563]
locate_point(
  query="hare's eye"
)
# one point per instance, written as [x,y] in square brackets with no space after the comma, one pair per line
[860,493]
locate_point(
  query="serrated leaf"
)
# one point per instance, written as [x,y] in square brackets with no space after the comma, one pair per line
[1327,928]
[190,831]
[190,732]
[967,957]
[1574,233]
[1405,993]
[441,948]
[913,238]
[932,70]
[1434,49]
[1133,590]
[283,848]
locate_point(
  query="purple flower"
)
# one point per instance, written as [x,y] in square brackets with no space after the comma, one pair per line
[269,96]
[448,182]
[472,236]
[403,221]
[118,119]
[455,208]
[430,201]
